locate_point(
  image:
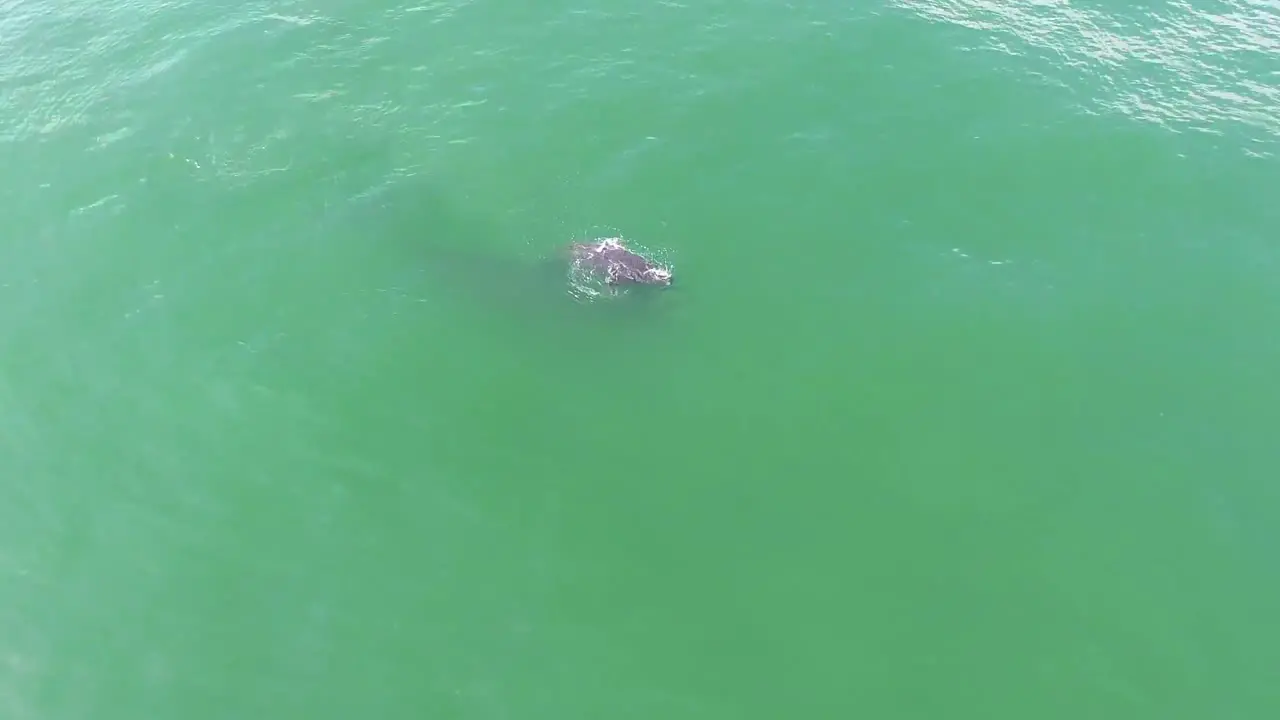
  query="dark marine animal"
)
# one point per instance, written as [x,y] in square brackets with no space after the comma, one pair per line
[612,260]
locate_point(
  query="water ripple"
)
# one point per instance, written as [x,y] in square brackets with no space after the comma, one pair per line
[1184,67]
[67,64]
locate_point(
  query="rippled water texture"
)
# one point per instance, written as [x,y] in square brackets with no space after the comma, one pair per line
[961,405]
[1207,66]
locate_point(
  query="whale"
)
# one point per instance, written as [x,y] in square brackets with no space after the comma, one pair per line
[616,264]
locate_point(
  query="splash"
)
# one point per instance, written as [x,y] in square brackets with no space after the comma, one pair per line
[587,283]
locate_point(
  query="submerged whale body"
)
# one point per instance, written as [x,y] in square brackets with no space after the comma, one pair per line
[583,271]
[569,294]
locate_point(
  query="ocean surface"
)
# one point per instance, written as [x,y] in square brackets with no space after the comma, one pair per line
[963,405]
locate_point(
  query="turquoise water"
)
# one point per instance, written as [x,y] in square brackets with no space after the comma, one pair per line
[962,405]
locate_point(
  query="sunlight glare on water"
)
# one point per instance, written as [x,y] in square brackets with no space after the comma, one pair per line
[1185,65]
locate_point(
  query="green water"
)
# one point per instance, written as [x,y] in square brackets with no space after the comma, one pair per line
[963,405]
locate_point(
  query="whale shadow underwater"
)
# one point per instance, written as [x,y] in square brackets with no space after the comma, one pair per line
[452,257]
